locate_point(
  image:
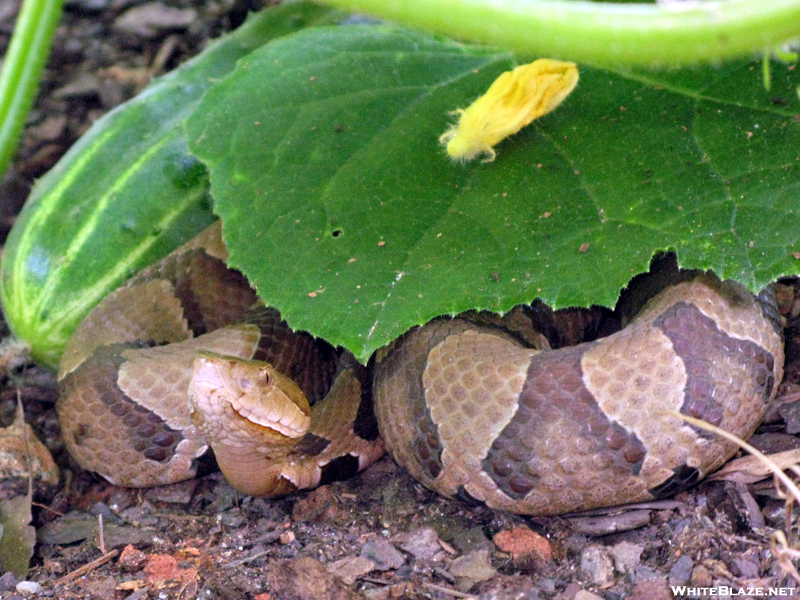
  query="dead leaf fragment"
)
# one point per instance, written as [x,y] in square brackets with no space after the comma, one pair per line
[750,469]
[351,568]
[22,456]
[17,537]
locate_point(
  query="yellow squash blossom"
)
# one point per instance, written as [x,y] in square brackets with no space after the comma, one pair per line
[514,100]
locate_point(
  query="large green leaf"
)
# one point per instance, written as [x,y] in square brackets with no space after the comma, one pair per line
[341,207]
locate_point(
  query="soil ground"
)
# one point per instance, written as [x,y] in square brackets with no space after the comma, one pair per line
[378,535]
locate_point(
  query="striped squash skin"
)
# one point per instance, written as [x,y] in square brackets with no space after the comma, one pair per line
[126,194]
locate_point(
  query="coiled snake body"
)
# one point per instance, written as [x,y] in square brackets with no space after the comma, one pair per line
[170,364]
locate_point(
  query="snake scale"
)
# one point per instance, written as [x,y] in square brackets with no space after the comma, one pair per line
[183,358]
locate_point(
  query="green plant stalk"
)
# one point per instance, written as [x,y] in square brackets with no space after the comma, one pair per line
[601,33]
[22,68]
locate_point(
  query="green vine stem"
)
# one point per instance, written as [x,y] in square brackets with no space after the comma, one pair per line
[677,32]
[22,68]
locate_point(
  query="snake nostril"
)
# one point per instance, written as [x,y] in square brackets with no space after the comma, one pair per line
[244,383]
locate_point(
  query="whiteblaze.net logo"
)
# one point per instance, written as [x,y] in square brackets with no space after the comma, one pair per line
[723,591]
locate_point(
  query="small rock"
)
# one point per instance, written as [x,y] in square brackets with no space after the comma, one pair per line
[72,527]
[143,594]
[139,516]
[131,559]
[655,589]
[50,129]
[8,11]
[118,536]
[748,566]
[122,498]
[472,568]
[444,575]
[569,592]
[85,86]
[584,595]
[305,579]
[423,544]
[547,585]
[389,592]
[773,442]
[8,582]
[774,512]
[351,568]
[383,554]
[681,571]
[507,587]
[596,565]
[701,577]
[224,496]
[791,415]
[524,545]
[99,587]
[177,493]
[641,573]
[574,543]
[626,555]
[287,537]
[101,508]
[150,20]
[318,505]
[467,540]
[233,519]
[28,588]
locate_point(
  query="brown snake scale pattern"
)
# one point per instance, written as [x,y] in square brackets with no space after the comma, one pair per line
[169,365]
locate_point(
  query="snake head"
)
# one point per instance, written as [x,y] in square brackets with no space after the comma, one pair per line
[236,402]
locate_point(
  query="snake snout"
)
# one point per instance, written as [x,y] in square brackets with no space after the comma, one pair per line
[248,394]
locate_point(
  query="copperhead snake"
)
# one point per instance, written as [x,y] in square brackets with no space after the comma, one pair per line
[170,364]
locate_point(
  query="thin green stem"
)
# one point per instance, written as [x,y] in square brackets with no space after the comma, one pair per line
[678,32]
[22,69]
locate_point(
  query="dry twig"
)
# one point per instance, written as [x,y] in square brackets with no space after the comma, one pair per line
[87,568]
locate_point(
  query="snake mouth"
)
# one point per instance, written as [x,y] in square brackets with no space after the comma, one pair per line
[277,413]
